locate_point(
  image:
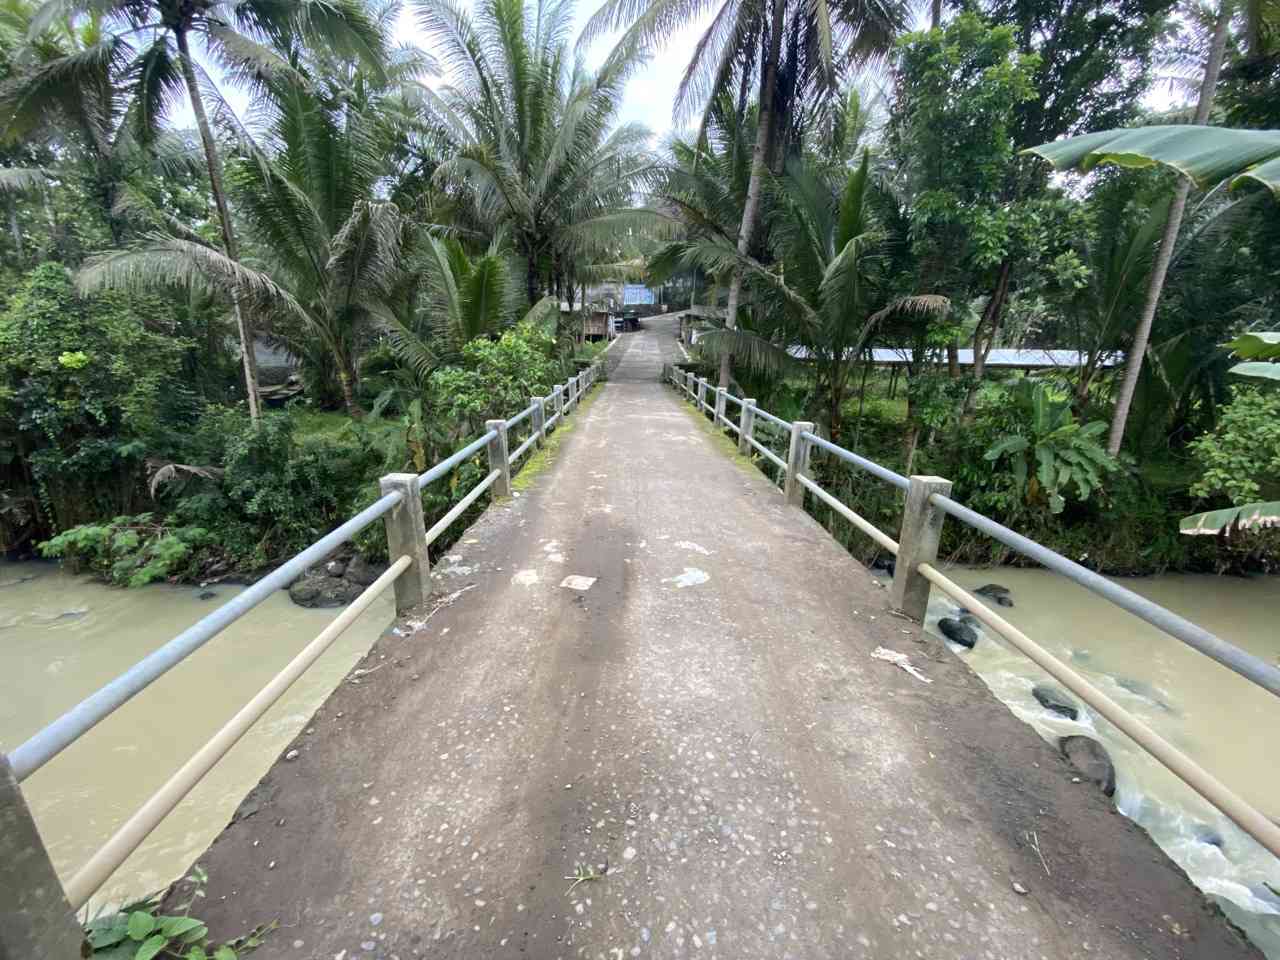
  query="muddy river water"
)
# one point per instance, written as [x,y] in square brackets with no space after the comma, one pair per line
[1228,725]
[62,636]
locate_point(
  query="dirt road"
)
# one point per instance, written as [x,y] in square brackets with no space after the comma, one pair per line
[700,729]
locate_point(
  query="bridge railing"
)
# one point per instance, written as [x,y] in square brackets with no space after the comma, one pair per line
[38,918]
[927,505]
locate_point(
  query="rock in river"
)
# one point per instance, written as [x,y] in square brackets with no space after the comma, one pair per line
[1091,759]
[322,592]
[993,591]
[360,571]
[958,632]
[1055,701]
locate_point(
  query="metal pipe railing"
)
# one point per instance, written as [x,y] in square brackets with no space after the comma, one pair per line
[457,509]
[863,524]
[89,878]
[30,756]
[520,450]
[767,452]
[777,421]
[522,415]
[1200,780]
[447,464]
[1230,656]
[870,466]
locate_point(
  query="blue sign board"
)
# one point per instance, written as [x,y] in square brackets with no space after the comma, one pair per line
[636,293]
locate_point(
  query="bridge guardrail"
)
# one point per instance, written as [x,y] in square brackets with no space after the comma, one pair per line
[40,918]
[926,508]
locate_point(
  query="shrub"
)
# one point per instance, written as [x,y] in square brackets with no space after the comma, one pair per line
[1241,457]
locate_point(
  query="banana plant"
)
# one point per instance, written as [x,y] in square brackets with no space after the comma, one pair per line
[1261,355]
[1056,453]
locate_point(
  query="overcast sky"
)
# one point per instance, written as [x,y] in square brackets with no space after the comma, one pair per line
[651,90]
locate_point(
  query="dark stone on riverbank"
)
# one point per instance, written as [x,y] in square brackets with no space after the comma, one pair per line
[997,593]
[336,567]
[1206,834]
[322,591]
[958,632]
[883,565]
[207,595]
[361,572]
[1091,759]
[1055,701]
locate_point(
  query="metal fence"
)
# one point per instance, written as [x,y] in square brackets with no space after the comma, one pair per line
[39,917]
[926,506]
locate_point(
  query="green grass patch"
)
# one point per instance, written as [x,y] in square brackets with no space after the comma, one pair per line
[723,442]
[537,463]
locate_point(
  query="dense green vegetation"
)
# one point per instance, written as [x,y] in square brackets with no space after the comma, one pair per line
[405,223]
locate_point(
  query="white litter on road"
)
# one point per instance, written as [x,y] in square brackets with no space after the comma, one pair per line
[525,578]
[576,582]
[695,547]
[691,577]
[901,659]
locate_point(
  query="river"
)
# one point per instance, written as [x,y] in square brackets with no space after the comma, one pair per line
[62,636]
[1228,725]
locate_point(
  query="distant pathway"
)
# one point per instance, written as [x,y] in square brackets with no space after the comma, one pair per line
[706,719]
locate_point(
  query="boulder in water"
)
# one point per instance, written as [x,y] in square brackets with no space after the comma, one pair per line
[207,595]
[958,632]
[1206,834]
[361,572]
[320,591]
[1055,701]
[884,565]
[1090,758]
[997,593]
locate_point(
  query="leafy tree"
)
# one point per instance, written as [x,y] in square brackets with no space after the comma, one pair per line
[746,40]
[465,300]
[829,291]
[152,52]
[332,251]
[1052,455]
[533,146]
[88,389]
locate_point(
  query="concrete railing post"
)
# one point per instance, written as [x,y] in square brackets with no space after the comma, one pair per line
[498,458]
[407,537]
[746,426]
[702,393]
[797,462]
[539,420]
[917,543]
[36,919]
[557,402]
[721,392]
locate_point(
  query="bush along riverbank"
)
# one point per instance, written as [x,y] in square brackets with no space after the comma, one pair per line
[125,472]
[1024,458]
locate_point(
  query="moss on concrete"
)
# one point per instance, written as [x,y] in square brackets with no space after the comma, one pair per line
[726,444]
[538,463]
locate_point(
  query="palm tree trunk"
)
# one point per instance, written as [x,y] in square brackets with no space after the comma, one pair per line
[1155,283]
[214,165]
[759,159]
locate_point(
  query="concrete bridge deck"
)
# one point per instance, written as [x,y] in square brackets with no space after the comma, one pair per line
[706,720]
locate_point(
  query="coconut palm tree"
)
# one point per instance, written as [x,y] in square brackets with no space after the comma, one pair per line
[535,150]
[464,298]
[150,42]
[334,252]
[827,292]
[797,51]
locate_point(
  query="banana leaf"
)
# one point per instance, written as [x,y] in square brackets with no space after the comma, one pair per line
[1207,155]
[1251,516]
